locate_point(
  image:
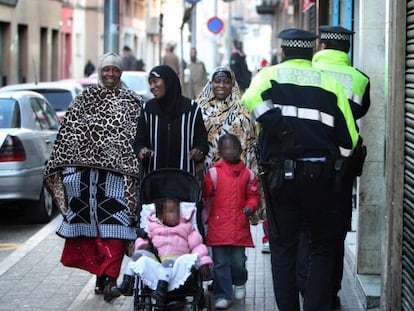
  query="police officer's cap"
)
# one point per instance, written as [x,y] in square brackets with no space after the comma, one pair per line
[297,38]
[335,33]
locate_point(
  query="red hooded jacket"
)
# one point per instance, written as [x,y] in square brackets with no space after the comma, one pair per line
[235,189]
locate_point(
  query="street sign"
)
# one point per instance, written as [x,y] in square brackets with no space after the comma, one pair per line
[192,1]
[215,25]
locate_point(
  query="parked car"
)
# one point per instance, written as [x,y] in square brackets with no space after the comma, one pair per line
[59,94]
[28,128]
[84,82]
[134,80]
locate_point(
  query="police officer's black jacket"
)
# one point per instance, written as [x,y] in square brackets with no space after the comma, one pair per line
[294,99]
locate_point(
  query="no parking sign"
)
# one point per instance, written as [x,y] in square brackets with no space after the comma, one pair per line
[215,25]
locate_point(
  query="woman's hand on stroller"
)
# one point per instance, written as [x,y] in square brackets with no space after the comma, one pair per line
[196,154]
[145,153]
[205,272]
[133,221]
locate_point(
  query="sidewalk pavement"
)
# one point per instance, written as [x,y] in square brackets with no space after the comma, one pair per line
[32,278]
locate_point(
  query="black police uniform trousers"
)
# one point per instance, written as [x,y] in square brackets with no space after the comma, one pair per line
[353,170]
[309,197]
[345,203]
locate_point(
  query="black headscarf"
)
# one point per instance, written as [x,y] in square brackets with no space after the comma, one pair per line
[170,103]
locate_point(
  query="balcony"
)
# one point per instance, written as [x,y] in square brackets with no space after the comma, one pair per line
[266,6]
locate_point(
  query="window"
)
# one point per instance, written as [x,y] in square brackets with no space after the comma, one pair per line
[39,116]
[45,117]
[59,98]
[9,113]
[50,115]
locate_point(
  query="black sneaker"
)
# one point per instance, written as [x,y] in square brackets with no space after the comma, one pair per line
[99,285]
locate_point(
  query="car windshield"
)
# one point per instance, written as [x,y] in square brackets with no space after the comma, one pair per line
[135,83]
[60,99]
[9,113]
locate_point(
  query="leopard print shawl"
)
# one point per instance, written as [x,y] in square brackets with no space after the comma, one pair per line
[98,132]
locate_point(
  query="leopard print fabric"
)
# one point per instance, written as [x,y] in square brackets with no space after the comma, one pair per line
[98,132]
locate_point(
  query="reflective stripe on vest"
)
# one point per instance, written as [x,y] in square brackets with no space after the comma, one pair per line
[262,108]
[307,113]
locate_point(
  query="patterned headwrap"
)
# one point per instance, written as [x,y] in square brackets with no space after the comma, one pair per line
[222,72]
[109,59]
[227,116]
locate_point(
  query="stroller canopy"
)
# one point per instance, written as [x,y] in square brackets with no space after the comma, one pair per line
[170,182]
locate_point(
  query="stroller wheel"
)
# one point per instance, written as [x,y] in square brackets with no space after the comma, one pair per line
[208,299]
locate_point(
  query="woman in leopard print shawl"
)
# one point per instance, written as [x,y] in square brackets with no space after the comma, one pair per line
[93,175]
[222,113]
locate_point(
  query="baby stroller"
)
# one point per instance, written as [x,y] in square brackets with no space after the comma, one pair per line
[184,187]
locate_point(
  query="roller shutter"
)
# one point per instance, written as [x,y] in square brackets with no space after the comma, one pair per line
[407,299]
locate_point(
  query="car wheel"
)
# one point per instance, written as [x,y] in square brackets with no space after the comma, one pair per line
[40,211]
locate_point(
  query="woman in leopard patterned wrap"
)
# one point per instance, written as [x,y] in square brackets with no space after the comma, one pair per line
[222,113]
[93,175]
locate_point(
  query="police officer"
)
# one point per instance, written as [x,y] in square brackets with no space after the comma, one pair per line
[333,59]
[307,131]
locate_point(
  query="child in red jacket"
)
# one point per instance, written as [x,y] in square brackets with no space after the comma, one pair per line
[233,191]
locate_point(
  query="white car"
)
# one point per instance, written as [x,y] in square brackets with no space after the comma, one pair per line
[134,80]
[28,128]
[59,93]
[84,82]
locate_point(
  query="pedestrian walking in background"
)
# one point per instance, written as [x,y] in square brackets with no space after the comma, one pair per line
[171,131]
[223,113]
[89,68]
[140,65]
[171,59]
[195,76]
[307,130]
[263,63]
[129,61]
[234,192]
[239,66]
[333,58]
[93,176]
[275,59]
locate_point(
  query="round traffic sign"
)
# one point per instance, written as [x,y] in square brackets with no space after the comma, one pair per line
[215,25]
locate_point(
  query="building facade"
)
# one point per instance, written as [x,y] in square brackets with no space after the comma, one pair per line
[48,40]
[29,42]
